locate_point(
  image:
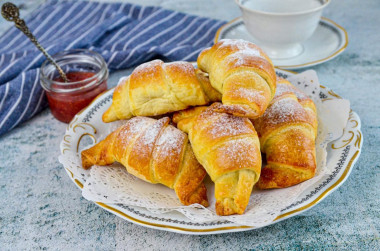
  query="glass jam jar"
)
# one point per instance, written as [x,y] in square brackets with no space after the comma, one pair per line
[87,74]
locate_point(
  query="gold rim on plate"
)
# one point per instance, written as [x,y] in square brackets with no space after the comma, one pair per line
[283,67]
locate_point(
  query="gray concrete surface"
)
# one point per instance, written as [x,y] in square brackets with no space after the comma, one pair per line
[40,208]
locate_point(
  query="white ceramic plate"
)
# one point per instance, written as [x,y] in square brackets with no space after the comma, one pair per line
[342,154]
[327,42]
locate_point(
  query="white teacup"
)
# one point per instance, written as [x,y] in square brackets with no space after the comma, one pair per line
[280,26]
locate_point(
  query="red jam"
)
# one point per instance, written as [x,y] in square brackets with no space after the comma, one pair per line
[64,106]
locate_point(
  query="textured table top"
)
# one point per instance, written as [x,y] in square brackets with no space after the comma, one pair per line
[42,209]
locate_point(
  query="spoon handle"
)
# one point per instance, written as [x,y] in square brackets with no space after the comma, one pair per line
[11,13]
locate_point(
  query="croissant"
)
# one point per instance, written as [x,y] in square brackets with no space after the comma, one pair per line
[156,152]
[229,149]
[244,75]
[287,133]
[156,88]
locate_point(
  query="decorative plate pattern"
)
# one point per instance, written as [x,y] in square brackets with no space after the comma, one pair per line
[342,155]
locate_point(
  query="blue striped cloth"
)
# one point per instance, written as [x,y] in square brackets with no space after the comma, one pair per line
[124,34]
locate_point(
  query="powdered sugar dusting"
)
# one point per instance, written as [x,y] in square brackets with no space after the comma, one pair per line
[252,95]
[243,47]
[236,152]
[148,69]
[239,43]
[185,67]
[227,125]
[284,88]
[136,124]
[152,67]
[283,110]
[242,57]
[133,127]
[171,141]
[152,132]
[243,52]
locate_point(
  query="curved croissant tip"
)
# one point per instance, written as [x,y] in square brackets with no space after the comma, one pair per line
[109,115]
[227,206]
[87,159]
[198,196]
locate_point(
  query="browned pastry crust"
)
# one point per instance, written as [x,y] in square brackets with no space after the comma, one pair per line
[244,75]
[229,149]
[156,88]
[287,133]
[156,152]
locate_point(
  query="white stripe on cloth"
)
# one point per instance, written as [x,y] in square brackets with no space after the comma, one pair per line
[122,19]
[80,37]
[141,12]
[2,59]
[122,6]
[62,19]
[5,95]
[142,56]
[82,25]
[141,33]
[207,33]
[195,32]
[29,100]
[174,50]
[13,61]
[37,58]
[184,18]
[131,10]
[116,35]
[126,36]
[130,13]
[68,25]
[120,10]
[192,54]
[180,33]
[150,28]
[10,112]
[184,41]
[102,17]
[38,104]
[105,12]
[112,57]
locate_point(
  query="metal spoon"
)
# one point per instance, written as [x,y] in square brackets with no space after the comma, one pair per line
[11,13]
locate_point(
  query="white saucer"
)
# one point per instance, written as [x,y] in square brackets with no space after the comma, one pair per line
[328,41]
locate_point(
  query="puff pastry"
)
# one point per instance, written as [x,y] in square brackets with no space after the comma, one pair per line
[157,88]
[156,152]
[228,148]
[244,75]
[287,133]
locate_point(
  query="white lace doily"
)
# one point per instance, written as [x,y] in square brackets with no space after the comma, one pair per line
[112,184]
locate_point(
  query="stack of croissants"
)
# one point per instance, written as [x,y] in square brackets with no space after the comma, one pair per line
[185,122]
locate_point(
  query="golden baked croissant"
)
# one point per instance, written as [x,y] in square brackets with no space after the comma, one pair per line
[287,133]
[156,88]
[244,75]
[229,150]
[156,152]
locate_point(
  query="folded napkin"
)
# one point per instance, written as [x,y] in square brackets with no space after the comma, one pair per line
[124,34]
